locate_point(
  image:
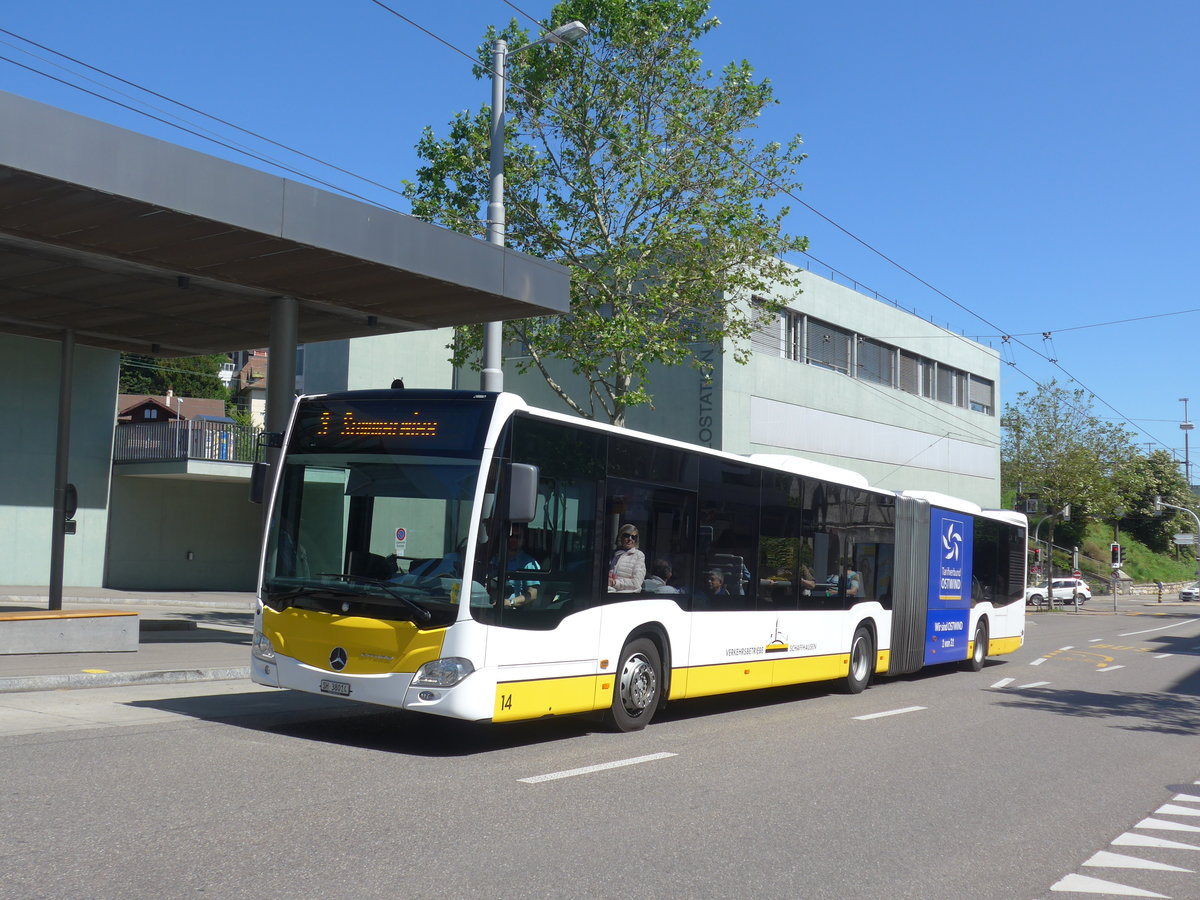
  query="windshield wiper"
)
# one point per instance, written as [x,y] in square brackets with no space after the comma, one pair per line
[422,614]
[284,596]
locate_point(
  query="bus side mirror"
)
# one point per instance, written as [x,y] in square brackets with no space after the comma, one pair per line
[259,474]
[522,493]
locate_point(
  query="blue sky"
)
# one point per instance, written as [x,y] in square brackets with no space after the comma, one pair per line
[1034,161]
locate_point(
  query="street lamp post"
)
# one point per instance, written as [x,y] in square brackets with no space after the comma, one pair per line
[492,376]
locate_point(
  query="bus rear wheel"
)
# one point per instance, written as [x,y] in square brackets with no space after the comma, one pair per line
[862,658]
[638,688]
[979,653]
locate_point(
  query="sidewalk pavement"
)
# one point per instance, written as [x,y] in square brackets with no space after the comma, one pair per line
[184,636]
[205,636]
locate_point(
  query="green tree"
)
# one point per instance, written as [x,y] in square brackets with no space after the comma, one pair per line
[1056,448]
[1147,477]
[189,376]
[631,164]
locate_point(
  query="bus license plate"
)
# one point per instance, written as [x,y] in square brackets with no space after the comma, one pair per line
[341,688]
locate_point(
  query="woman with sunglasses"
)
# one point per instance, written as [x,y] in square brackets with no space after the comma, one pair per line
[627,568]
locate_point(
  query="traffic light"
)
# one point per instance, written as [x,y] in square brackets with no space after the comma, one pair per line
[1037,556]
[1116,553]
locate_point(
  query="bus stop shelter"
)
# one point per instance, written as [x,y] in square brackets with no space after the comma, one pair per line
[115,240]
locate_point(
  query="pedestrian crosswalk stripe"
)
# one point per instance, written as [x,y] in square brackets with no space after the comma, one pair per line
[1082,884]
[1107,860]
[1131,839]
[1164,825]
[1171,809]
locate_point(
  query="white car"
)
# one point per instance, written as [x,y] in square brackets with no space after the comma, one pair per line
[1064,590]
[1189,592]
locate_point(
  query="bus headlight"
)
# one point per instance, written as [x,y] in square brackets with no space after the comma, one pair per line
[261,648]
[443,673]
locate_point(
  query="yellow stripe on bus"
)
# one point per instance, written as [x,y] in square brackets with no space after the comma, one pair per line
[551,697]
[728,678]
[1000,646]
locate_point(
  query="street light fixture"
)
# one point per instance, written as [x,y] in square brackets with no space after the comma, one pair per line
[492,376]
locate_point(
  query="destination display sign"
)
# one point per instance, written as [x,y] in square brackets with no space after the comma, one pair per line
[391,425]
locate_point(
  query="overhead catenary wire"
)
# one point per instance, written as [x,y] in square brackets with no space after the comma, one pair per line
[475,223]
[881,254]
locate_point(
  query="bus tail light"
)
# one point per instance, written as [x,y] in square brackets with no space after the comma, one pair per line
[443,673]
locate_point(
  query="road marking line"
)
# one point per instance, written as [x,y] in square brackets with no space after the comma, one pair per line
[1172,810]
[587,770]
[1162,656]
[1109,860]
[1003,682]
[1094,640]
[1160,628]
[891,712]
[1034,684]
[1191,798]
[1068,647]
[1083,884]
[1038,662]
[1108,668]
[1164,825]
[1130,839]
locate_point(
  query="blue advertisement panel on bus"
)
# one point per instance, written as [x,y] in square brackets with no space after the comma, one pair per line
[951,536]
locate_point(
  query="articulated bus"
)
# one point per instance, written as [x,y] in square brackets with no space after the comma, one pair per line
[461,554]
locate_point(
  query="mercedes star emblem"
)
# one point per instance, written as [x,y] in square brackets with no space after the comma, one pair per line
[337,659]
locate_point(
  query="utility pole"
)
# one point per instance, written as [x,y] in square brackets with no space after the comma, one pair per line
[1185,426]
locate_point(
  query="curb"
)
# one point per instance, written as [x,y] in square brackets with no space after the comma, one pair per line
[21,683]
[39,602]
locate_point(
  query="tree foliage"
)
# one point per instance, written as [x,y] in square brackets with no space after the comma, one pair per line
[190,376]
[634,166]
[1147,477]
[1056,448]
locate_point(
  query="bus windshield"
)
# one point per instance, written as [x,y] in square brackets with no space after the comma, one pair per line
[373,509]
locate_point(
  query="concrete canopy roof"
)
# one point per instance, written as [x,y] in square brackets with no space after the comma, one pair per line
[140,245]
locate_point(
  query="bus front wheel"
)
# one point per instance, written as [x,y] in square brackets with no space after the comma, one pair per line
[862,658]
[638,686]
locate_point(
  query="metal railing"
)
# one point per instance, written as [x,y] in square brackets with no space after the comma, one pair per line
[159,441]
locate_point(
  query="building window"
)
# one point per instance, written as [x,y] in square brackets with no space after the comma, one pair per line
[945,384]
[793,335]
[150,413]
[876,362]
[827,346]
[983,395]
[910,373]
[767,336]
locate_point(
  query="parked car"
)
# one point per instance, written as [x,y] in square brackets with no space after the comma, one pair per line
[1063,590]
[1189,592]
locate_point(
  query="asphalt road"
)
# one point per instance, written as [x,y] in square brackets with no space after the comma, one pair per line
[1030,779]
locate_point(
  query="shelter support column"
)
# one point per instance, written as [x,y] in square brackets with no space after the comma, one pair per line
[58,535]
[281,377]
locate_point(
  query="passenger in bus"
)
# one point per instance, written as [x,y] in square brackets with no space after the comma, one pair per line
[807,580]
[714,584]
[519,592]
[849,582]
[627,568]
[659,581]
